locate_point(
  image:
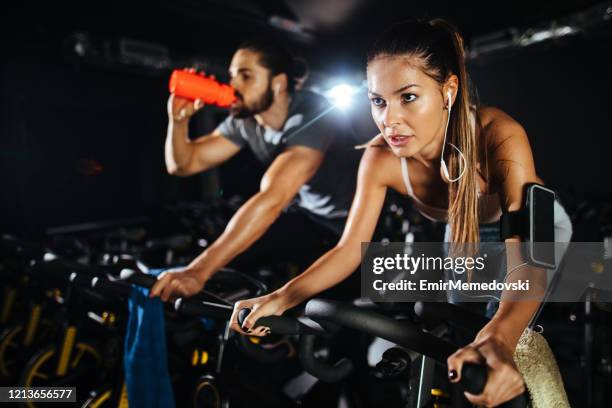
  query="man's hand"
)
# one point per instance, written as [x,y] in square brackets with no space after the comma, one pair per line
[181,109]
[174,283]
[504,382]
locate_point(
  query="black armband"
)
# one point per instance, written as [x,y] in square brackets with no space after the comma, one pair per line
[534,224]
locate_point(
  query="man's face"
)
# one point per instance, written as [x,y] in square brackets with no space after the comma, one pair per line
[252,84]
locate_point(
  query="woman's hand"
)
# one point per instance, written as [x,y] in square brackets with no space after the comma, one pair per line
[273,304]
[504,382]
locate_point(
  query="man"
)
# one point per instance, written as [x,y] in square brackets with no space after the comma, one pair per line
[309,152]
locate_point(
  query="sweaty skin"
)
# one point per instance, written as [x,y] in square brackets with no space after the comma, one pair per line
[281,182]
[405,101]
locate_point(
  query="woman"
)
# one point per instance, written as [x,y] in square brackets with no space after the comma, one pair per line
[458,162]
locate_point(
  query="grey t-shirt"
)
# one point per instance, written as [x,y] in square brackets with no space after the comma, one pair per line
[311,122]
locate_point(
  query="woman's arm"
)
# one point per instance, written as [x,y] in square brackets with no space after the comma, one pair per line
[338,263]
[511,168]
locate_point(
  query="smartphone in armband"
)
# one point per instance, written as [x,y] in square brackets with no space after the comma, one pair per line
[541,239]
[535,224]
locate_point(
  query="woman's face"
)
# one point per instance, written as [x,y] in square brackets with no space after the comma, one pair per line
[407,106]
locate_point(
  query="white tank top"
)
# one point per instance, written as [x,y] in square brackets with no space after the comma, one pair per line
[489,208]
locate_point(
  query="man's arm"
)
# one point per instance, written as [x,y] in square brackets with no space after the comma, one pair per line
[281,182]
[185,157]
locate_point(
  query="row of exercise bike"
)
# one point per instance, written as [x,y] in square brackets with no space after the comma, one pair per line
[64,323]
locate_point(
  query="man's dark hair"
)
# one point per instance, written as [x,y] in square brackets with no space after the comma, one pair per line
[278,59]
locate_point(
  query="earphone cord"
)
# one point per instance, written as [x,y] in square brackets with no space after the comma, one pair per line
[446,128]
[442,162]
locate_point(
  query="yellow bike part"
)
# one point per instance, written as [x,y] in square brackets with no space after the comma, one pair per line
[32,325]
[8,340]
[40,369]
[98,401]
[207,386]
[7,305]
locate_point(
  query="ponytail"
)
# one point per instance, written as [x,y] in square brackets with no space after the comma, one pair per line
[463,200]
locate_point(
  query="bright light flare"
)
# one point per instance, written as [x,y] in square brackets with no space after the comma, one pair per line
[342,95]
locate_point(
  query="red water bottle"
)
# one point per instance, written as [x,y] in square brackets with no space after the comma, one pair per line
[193,86]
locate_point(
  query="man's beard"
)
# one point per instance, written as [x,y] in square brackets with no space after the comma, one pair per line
[262,104]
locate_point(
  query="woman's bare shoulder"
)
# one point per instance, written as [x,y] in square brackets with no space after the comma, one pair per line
[378,152]
[490,115]
[379,161]
[499,128]
[508,147]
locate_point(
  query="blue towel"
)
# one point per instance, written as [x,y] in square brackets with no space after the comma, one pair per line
[145,358]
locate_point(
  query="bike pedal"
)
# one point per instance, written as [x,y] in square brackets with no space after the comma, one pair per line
[395,361]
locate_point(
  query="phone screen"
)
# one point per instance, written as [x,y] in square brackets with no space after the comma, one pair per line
[542,225]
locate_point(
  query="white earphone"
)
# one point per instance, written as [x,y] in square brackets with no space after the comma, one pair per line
[449,94]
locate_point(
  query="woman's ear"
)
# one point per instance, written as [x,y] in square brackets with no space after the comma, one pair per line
[451,86]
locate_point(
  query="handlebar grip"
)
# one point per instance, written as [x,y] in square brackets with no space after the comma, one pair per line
[277,324]
[318,368]
[521,401]
[282,324]
[474,379]
[104,285]
[197,308]
[242,315]
[138,278]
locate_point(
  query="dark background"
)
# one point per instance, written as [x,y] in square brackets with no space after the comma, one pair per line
[82,132]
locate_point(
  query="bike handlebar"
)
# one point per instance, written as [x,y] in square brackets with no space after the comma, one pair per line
[194,307]
[437,312]
[308,331]
[474,376]
[284,324]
